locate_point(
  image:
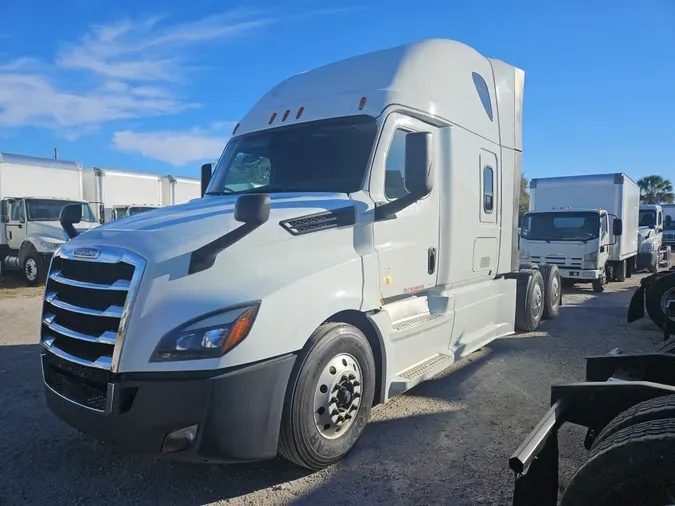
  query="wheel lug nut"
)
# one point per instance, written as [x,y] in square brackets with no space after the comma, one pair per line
[352,377]
[356,383]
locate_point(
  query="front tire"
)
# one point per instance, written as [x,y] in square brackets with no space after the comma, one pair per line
[32,269]
[329,397]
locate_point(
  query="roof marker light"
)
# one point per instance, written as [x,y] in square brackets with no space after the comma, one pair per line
[362,103]
[300,111]
[274,115]
[286,115]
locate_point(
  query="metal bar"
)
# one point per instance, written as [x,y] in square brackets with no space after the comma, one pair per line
[121,285]
[104,363]
[111,312]
[535,441]
[105,338]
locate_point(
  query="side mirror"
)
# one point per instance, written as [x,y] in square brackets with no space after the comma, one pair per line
[617,227]
[207,171]
[70,214]
[418,163]
[4,211]
[253,209]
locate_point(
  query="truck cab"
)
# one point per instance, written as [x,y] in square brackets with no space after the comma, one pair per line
[121,211]
[668,224]
[650,238]
[576,240]
[33,233]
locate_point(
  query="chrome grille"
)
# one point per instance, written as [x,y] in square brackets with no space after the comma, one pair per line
[86,302]
[565,262]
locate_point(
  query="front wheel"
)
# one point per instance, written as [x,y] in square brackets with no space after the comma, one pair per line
[32,269]
[329,397]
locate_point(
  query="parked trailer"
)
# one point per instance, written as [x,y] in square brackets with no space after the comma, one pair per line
[668,224]
[32,193]
[179,190]
[271,319]
[116,194]
[586,225]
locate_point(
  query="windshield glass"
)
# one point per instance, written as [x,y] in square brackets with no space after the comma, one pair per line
[328,155]
[139,210]
[648,218]
[49,210]
[568,226]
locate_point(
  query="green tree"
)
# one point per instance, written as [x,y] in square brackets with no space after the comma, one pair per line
[656,190]
[524,198]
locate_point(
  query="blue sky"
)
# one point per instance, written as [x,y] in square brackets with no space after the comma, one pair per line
[130,85]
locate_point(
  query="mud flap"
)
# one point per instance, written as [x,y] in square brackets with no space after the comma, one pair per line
[636,309]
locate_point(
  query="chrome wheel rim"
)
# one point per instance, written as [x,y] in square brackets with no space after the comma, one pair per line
[337,397]
[31,269]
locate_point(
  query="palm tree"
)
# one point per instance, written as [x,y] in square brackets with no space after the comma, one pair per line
[656,190]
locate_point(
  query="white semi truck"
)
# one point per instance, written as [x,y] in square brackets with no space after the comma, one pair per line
[653,252]
[668,224]
[586,225]
[115,194]
[32,193]
[374,246]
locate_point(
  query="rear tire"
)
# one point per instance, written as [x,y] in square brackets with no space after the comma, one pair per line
[635,465]
[530,298]
[334,374]
[620,271]
[659,408]
[552,290]
[659,293]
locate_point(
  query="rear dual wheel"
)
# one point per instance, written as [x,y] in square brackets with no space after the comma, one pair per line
[538,296]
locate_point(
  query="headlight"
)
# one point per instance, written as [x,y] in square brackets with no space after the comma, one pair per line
[50,245]
[648,247]
[211,337]
[591,257]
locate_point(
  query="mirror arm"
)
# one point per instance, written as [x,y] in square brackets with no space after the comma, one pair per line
[388,211]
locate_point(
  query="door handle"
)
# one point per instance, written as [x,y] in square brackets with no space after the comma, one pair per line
[432,260]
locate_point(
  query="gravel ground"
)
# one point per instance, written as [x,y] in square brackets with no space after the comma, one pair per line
[445,442]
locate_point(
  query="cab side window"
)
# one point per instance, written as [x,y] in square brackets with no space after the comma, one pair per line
[394,176]
[604,226]
[16,211]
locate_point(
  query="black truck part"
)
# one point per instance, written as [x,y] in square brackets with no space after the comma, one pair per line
[614,383]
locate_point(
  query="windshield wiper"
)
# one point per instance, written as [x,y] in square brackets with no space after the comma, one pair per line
[224,191]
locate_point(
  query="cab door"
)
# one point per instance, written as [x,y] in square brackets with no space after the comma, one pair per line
[16,225]
[407,245]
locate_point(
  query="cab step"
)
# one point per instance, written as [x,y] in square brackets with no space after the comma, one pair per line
[418,373]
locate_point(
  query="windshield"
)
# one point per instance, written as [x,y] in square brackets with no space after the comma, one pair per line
[139,210]
[648,218]
[568,226]
[328,155]
[49,210]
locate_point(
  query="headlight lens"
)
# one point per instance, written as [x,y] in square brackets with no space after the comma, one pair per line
[205,339]
[648,247]
[591,257]
[50,245]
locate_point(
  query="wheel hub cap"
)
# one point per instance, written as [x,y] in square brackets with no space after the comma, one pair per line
[337,398]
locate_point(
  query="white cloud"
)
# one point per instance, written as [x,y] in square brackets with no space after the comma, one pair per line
[176,148]
[130,67]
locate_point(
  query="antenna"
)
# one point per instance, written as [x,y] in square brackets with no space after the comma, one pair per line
[56,154]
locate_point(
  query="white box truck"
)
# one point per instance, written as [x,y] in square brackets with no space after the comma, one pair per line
[374,245]
[574,222]
[179,190]
[115,194]
[32,193]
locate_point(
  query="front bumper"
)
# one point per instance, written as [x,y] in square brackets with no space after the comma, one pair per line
[646,259]
[237,411]
[580,274]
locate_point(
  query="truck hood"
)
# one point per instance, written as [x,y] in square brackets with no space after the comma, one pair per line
[170,232]
[53,232]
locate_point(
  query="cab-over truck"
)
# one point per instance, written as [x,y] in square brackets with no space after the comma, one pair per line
[373,246]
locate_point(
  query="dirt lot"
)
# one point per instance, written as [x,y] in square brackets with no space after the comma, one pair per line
[445,442]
